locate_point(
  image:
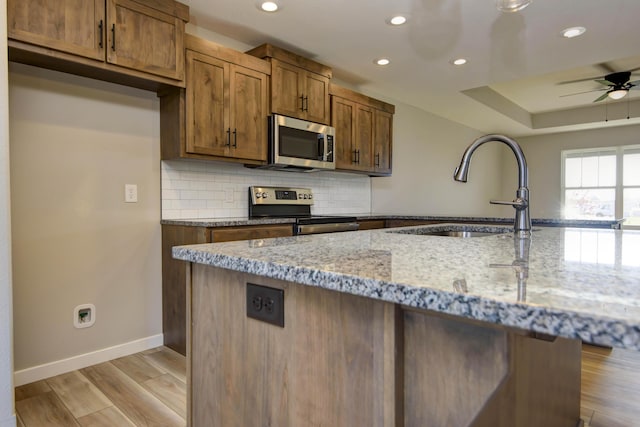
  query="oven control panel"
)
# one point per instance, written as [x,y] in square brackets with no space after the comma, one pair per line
[280,196]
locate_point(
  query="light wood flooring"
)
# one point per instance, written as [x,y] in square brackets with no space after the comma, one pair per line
[148,389]
[144,389]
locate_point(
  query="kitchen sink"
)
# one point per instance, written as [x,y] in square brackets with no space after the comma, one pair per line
[459,231]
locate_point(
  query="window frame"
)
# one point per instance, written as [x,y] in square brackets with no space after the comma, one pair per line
[619,152]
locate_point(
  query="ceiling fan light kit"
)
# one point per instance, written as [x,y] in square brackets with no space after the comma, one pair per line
[617,94]
[512,5]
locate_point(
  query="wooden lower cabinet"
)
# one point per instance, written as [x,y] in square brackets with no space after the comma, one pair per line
[344,360]
[371,224]
[174,284]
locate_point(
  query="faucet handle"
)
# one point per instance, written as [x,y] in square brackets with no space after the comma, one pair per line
[518,203]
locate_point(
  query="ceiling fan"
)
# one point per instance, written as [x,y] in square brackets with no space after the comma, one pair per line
[617,84]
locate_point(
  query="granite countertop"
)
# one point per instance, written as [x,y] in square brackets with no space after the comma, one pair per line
[242,221]
[576,282]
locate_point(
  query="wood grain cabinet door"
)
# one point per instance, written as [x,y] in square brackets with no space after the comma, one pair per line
[207,99]
[287,85]
[74,26]
[343,120]
[316,98]
[364,138]
[248,113]
[382,142]
[145,39]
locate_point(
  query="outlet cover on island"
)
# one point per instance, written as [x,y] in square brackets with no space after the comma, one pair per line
[130,193]
[84,315]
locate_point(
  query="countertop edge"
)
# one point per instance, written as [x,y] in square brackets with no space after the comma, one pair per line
[557,322]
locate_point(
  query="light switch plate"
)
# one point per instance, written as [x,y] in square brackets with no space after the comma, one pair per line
[130,193]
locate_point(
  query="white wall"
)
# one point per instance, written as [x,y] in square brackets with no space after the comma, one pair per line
[426,151]
[75,142]
[7,415]
[204,189]
[543,157]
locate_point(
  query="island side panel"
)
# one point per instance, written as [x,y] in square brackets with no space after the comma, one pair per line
[472,374]
[333,363]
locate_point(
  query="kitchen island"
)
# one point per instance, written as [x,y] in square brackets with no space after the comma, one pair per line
[389,328]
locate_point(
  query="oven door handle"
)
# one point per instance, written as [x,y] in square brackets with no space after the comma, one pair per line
[326,228]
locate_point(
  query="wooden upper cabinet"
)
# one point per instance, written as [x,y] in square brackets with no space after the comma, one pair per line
[248,113]
[364,129]
[145,39]
[206,101]
[299,86]
[354,124]
[222,113]
[137,43]
[74,26]
[382,142]
[343,120]
[316,98]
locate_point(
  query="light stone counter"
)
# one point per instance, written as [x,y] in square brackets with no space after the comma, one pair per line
[580,283]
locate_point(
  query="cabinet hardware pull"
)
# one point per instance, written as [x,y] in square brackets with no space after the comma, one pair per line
[301,102]
[358,156]
[353,157]
[113,37]
[235,138]
[100,30]
[228,144]
[305,103]
[378,160]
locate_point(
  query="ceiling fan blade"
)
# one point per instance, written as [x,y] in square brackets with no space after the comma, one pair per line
[579,80]
[635,85]
[606,67]
[580,93]
[604,82]
[601,97]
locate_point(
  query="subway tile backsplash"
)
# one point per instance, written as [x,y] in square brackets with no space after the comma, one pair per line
[205,189]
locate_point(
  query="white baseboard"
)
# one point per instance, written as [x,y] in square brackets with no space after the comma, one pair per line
[40,372]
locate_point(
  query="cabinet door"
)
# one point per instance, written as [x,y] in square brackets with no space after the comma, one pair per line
[382,141]
[144,39]
[363,138]
[207,99]
[248,113]
[343,120]
[74,26]
[287,83]
[316,98]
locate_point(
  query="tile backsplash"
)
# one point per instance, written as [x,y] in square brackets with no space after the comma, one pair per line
[205,189]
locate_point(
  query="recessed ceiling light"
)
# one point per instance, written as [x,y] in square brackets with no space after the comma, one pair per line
[269,6]
[573,32]
[459,61]
[512,5]
[397,20]
[382,61]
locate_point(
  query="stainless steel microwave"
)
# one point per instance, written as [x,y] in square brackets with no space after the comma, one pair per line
[296,144]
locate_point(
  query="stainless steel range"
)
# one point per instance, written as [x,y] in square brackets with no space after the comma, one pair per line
[286,202]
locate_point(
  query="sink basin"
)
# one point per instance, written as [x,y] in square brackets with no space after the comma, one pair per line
[459,231]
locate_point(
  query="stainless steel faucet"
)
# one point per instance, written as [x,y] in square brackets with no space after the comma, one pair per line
[522,226]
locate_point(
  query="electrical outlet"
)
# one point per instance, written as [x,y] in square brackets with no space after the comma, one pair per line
[228,196]
[266,304]
[130,193]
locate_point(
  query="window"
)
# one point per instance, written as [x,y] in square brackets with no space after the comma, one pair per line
[602,184]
